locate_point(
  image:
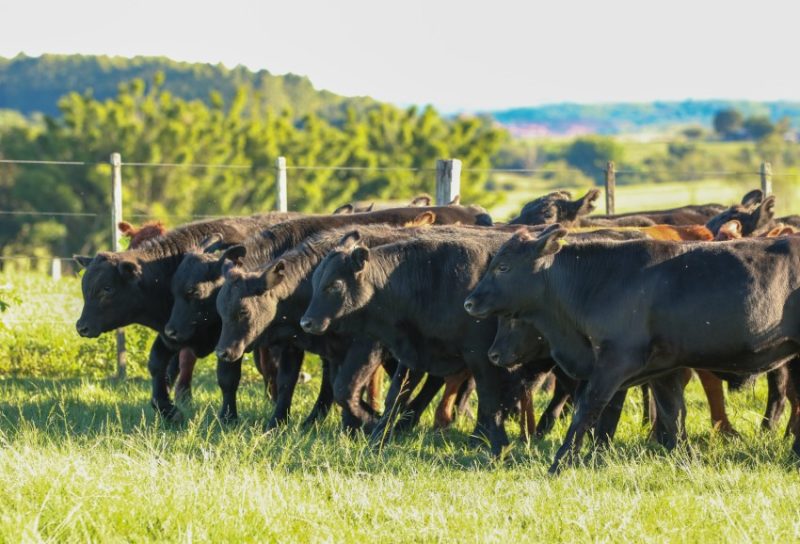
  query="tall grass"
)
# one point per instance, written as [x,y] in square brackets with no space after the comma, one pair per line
[83,458]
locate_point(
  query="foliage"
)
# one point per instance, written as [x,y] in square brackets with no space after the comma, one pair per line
[728,122]
[36,84]
[149,124]
[591,153]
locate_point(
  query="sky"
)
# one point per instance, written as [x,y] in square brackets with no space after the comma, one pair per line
[455,55]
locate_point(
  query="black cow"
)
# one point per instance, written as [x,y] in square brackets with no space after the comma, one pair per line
[407,295]
[620,313]
[558,207]
[199,277]
[132,286]
[265,305]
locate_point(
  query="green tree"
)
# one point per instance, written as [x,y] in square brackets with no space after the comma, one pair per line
[728,122]
[758,127]
[591,153]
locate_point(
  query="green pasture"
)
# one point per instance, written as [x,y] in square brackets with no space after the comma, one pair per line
[83,458]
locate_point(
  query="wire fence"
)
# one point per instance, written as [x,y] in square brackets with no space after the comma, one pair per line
[447,176]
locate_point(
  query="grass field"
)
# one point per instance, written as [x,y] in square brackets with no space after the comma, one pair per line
[82,457]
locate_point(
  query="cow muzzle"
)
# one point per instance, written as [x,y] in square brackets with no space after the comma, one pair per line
[314,326]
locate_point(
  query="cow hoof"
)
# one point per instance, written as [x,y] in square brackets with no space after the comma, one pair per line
[227,418]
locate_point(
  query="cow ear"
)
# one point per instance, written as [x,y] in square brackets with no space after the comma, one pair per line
[275,274]
[126,228]
[234,254]
[83,260]
[350,239]
[550,240]
[130,271]
[756,196]
[522,235]
[766,211]
[359,258]
[211,243]
[730,230]
[588,202]
[456,201]
[344,209]
[421,200]
[425,218]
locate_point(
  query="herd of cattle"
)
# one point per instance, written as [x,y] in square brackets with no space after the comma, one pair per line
[443,297]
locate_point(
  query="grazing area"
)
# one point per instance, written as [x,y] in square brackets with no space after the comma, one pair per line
[83,457]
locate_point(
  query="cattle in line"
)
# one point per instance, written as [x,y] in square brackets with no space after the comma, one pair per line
[266,302]
[408,296]
[132,286]
[636,310]
[200,276]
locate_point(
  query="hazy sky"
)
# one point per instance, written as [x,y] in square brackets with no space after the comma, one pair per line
[455,55]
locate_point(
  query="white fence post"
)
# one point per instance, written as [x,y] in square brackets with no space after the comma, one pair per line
[766,178]
[55,269]
[611,187]
[448,180]
[282,201]
[116,217]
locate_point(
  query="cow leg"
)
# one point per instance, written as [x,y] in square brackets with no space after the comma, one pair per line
[228,377]
[363,357]
[444,412]
[403,383]
[608,421]
[563,390]
[608,375]
[324,399]
[671,421]
[648,407]
[183,385]
[173,369]
[291,359]
[462,400]
[414,409]
[267,360]
[375,388]
[794,374]
[777,384]
[491,418]
[157,364]
[716,402]
[527,417]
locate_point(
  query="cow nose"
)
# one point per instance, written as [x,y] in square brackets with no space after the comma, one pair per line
[468,305]
[494,357]
[83,330]
[222,355]
[171,333]
[306,324]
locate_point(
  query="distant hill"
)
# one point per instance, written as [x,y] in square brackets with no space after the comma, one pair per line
[569,118]
[34,84]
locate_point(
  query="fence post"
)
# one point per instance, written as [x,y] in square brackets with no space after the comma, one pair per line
[116,217]
[611,185]
[448,180]
[55,269]
[766,178]
[282,201]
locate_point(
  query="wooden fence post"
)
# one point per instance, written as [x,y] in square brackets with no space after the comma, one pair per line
[116,217]
[281,201]
[766,178]
[448,180]
[611,185]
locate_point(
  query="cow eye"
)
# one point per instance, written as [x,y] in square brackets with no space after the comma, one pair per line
[242,313]
[503,268]
[192,293]
[335,287]
[107,290]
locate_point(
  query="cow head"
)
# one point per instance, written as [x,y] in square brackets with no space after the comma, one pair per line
[194,287]
[516,342]
[246,304]
[112,293]
[557,207]
[753,218]
[517,263]
[341,285]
